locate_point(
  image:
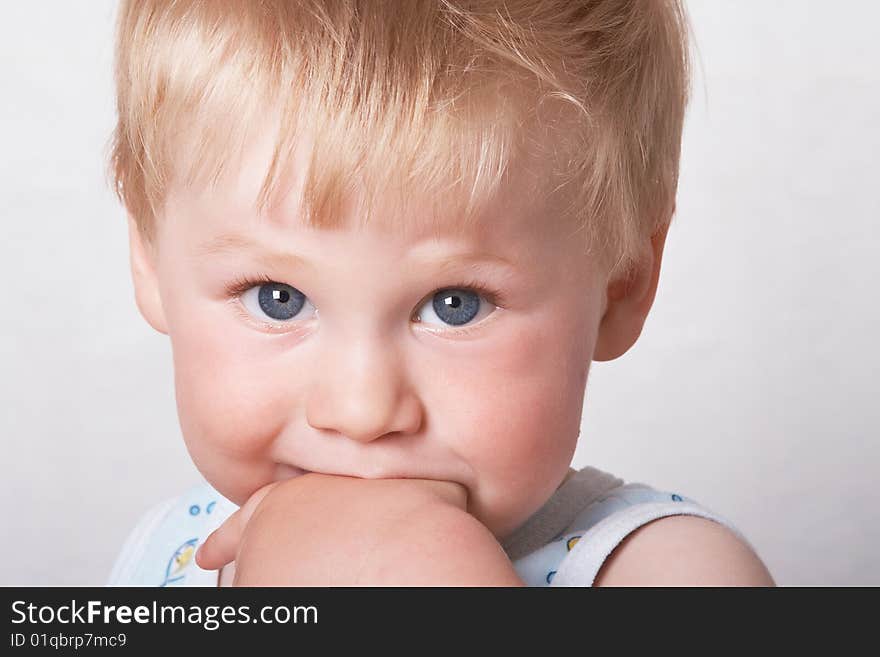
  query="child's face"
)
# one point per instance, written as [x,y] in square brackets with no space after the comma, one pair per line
[367,374]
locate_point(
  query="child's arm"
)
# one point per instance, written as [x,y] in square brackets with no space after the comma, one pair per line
[324,530]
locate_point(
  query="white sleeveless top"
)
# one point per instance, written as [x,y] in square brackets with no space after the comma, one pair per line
[564,543]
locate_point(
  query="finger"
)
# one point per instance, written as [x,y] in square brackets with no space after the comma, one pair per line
[222,544]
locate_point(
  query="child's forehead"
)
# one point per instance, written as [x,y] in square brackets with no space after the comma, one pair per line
[238,227]
[518,227]
[520,216]
[512,214]
[400,192]
[518,243]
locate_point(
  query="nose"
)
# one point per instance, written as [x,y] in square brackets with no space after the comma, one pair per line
[362,392]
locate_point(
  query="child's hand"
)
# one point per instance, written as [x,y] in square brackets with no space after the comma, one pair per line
[221,546]
[326,530]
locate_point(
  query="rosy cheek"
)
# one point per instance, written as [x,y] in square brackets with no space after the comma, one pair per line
[524,415]
[517,402]
[229,402]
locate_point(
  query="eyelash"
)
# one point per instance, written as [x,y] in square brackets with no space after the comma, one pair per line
[242,284]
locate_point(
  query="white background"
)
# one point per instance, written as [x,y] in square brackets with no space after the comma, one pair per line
[751,390]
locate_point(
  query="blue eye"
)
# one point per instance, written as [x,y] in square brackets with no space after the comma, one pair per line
[277,301]
[455,306]
[280,301]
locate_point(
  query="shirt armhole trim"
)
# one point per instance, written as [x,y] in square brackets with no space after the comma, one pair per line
[582,564]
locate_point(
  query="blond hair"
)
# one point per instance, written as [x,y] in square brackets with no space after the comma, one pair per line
[437,96]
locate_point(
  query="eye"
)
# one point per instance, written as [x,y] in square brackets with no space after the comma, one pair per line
[455,306]
[278,302]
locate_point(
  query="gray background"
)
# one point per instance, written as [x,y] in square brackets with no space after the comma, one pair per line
[750,390]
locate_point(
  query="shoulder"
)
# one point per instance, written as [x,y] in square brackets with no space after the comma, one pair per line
[683,550]
[636,535]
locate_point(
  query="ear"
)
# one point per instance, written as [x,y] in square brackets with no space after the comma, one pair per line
[143,274]
[628,301]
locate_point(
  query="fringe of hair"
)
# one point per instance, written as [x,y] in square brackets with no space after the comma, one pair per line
[431,98]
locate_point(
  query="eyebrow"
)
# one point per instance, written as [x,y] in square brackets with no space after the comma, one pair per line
[231,242]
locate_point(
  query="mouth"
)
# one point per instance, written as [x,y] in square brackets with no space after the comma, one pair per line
[284,471]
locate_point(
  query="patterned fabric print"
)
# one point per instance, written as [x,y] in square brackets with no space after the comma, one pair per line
[161,550]
[539,567]
[199,512]
[200,504]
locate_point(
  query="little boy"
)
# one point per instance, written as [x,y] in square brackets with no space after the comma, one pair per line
[386,240]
